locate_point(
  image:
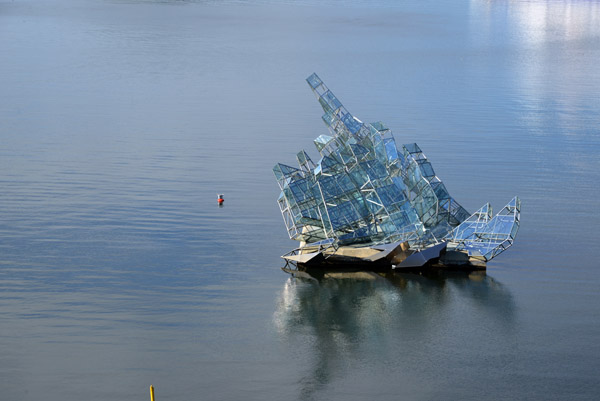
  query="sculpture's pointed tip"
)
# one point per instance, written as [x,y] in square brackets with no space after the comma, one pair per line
[314,81]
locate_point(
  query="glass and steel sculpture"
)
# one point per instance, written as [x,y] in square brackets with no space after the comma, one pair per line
[367,190]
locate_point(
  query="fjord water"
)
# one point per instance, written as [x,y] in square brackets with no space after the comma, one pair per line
[120,121]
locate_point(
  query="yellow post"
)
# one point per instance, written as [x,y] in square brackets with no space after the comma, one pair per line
[151,392]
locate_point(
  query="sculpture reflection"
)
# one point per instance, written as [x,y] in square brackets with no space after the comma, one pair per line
[348,318]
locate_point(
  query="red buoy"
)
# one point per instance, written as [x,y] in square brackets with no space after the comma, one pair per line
[220,199]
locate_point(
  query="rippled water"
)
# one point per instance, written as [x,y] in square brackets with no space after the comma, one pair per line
[122,120]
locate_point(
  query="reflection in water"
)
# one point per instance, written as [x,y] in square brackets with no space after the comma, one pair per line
[348,317]
[537,21]
[543,31]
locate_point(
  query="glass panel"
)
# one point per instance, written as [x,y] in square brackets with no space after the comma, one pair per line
[332,101]
[314,81]
[350,123]
[426,169]
[412,148]
[390,148]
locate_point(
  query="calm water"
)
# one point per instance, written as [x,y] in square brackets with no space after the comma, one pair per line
[120,121]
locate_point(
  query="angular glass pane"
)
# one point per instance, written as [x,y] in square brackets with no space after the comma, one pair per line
[314,81]
[350,123]
[426,169]
[332,101]
[390,148]
[412,148]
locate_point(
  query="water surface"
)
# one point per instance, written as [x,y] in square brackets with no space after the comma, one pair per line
[122,120]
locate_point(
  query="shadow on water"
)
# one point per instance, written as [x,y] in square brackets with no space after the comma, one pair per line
[365,318]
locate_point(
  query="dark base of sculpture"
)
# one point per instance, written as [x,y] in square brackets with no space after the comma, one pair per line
[398,257]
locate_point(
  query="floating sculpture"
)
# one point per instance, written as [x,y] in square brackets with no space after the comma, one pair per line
[369,203]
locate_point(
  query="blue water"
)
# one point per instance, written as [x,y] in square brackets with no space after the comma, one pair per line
[120,121]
